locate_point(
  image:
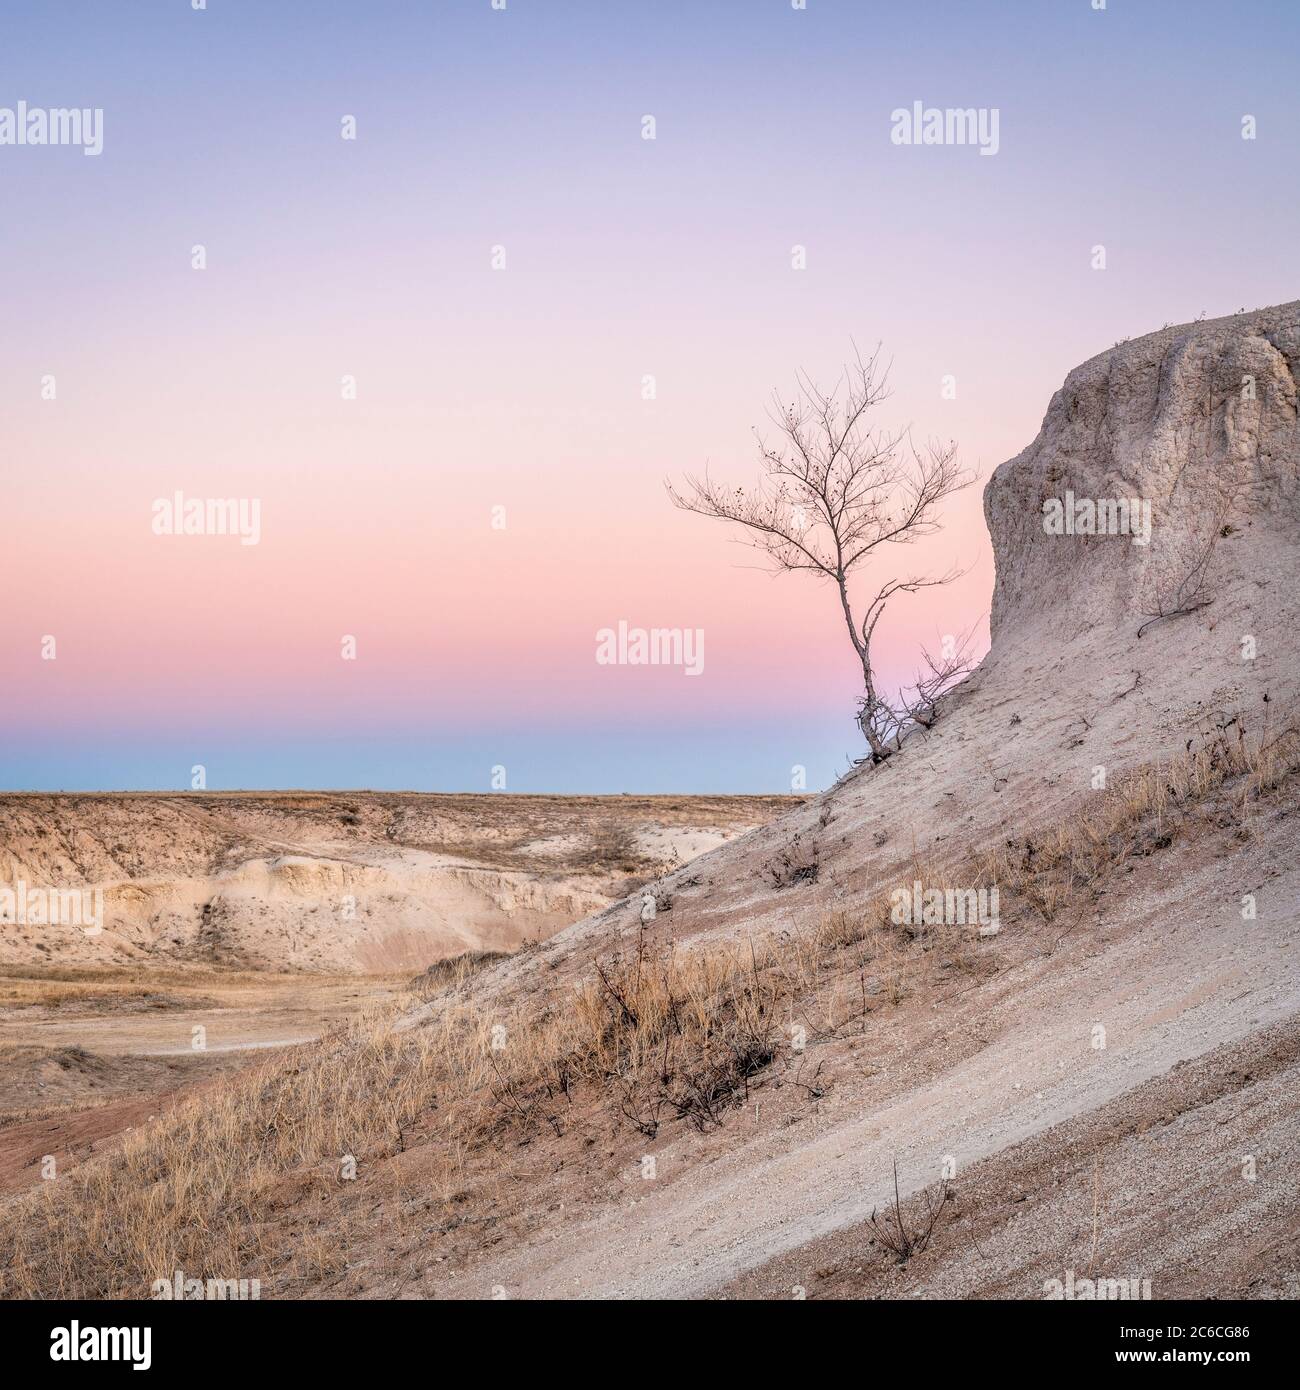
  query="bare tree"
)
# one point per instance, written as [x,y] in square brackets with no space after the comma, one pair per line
[835,489]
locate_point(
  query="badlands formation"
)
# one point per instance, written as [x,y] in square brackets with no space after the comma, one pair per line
[335,881]
[712,1099]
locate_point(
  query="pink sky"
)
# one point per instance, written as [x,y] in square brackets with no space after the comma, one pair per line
[522,387]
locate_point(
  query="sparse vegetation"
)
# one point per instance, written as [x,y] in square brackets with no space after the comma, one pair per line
[653,1035]
[906,1235]
[1144,812]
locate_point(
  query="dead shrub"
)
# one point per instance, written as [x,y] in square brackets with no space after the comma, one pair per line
[797,863]
[904,1234]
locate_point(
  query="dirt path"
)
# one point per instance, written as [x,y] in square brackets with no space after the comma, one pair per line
[252,1016]
[239,1045]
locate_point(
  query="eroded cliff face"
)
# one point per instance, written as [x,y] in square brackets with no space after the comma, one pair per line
[1193,427]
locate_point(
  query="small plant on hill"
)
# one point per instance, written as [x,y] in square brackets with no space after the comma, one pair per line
[903,1237]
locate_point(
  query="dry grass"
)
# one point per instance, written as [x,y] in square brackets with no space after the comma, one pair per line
[655,1036]
[1222,780]
[454,972]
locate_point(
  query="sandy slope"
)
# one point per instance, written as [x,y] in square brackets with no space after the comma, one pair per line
[1078,678]
[1187,1182]
[1171,973]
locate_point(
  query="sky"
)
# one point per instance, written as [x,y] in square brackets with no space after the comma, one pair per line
[493,495]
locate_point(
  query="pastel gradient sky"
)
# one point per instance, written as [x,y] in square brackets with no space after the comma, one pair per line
[522,388]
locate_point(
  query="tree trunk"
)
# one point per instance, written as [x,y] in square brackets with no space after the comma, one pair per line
[870,704]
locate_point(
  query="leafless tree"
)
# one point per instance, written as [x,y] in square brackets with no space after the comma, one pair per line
[834,490]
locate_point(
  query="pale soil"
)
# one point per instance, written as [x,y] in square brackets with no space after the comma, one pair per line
[340,881]
[1167,970]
